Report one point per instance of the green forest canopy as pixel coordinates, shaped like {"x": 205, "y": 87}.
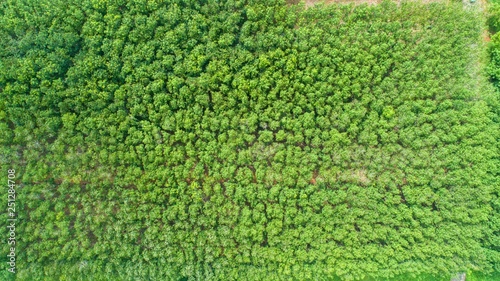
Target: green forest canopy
{"x": 247, "y": 140}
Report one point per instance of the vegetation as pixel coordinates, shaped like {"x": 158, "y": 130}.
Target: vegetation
{"x": 247, "y": 140}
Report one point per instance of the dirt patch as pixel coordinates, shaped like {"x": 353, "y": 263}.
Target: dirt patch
{"x": 486, "y": 36}
{"x": 310, "y": 3}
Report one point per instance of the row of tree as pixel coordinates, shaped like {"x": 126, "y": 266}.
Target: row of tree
{"x": 247, "y": 140}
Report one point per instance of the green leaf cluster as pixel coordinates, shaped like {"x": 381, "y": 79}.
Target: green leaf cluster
{"x": 247, "y": 140}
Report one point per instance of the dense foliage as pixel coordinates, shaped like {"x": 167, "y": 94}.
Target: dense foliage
{"x": 247, "y": 140}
